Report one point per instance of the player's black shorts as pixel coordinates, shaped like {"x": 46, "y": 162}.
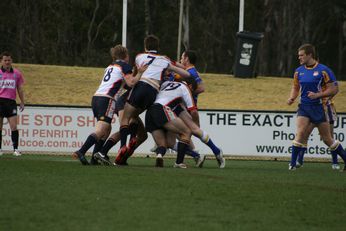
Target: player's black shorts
{"x": 8, "y": 108}
{"x": 142, "y": 95}
{"x": 120, "y": 102}
{"x": 103, "y": 108}
{"x": 157, "y": 116}
{"x": 178, "y": 109}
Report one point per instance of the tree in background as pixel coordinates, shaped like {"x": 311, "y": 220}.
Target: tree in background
{"x": 80, "y": 32}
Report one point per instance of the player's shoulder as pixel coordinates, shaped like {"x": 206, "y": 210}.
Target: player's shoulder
{"x": 323, "y": 67}
{"x": 16, "y": 70}
{"x": 301, "y": 68}
{"x": 141, "y": 54}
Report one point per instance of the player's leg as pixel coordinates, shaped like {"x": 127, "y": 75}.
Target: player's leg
{"x": 14, "y": 134}
{"x": 302, "y": 124}
{"x": 331, "y": 114}
{"x": 335, "y": 162}
{"x": 204, "y": 137}
{"x": 198, "y": 132}
{"x": 129, "y": 112}
{"x": 159, "y": 137}
{"x": 171, "y": 143}
{"x": 103, "y": 110}
{"x": 136, "y": 139}
{"x": 303, "y": 150}
{"x": 102, "y": 131}
{"x": 1, "y": 125}
{"x": 334, "y": 145}
{"x": 179, "y": 127}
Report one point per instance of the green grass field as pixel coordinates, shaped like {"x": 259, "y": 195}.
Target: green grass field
{"x": 48, "y": 192}
{"x": 57, "y": 193}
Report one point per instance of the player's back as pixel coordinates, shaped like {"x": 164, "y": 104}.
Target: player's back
{"x": 113, "y": 78}
{"x": 157, "y": 65}
{"x": 173, "y": 93}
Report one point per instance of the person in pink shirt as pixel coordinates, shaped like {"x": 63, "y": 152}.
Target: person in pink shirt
{"x": 11, "y": 82}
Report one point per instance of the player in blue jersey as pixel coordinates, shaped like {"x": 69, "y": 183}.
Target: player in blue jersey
{"x": 188, "y": 60}
{"x": 309, "y": 80}
{"x": 331, "y": 116}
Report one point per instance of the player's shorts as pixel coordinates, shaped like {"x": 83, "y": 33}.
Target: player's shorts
{"x": 331, "y": 113}
{"x": 178, "y": 109}
{"x": 316, "y": 113}
{"x": 142, "y": 95}
{"x": 8, "y": 108}
{"x": 120, "y": 102}
{"x": 103, "y": 108}
{"x": 157, "y": 116}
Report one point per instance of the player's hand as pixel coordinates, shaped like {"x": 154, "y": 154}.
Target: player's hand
{"x": 290, "y": 101}
{"x": 314, "y": 95}
{"x": 21, "y": 107}
{"x": 141, "y": 69}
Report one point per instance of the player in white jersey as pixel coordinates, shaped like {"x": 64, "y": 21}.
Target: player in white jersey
{"x": 161, "y": 118}
{"x": 172, "y": 95}
{"x": 144, "y": 92}
{"x": 103, "y": 101}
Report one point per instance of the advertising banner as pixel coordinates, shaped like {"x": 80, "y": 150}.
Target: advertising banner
{"x": 244, "y": 133}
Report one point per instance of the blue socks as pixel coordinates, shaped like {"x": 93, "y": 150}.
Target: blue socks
{"x": 213, "y": 147}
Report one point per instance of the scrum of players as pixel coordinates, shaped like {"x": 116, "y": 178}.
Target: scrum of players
{"x": 166, "y": 90}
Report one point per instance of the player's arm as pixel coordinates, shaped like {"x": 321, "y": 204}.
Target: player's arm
{"x": 20, "y": 91}
{"x": 178, "y": 70}
{"x": 331, "y": 90}
{"x": 132, "y": 78}
{"x": 294, "y": 90}
{"x": 200, "y": 88}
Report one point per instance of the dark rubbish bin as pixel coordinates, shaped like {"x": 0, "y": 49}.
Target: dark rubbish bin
{"x": 247, "y": 46}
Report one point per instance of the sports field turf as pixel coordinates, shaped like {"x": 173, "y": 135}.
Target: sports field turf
{"x": 41, "y": 192}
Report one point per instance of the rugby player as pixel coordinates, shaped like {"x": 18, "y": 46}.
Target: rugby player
{"x": 161, "y": 118}
{"x": 331, "y": 116}
{"x": 103, "y": 101}
{"x": 143, "y": 94}
{"x": 309, "y": 79}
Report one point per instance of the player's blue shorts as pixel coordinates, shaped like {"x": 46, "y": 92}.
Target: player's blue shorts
{"x": 315, "y": 113}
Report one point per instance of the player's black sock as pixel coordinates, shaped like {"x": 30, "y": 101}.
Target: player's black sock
{"x": 107, "y": 146}
{"x": 182, "y": 146}
{"x": 124, "y": 131}
{"x": 15, "y": 138}
{"x": 161, "y": 150}
{"x": 90, "y": 141}
{"x": 0, "y": 138}
{"x": 98, "y": 146}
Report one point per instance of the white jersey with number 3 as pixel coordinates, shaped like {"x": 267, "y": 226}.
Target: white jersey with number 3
{"x": 173, "y": 93}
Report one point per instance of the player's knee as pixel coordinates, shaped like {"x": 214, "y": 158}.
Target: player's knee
{"x": 297, "y": 144}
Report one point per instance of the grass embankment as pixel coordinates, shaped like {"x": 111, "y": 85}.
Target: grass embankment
{"x": 61, "y": 85}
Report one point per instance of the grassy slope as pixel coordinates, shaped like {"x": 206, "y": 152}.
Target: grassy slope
{"x": 75, "y": 85}
{"x": 54, "y": 193}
